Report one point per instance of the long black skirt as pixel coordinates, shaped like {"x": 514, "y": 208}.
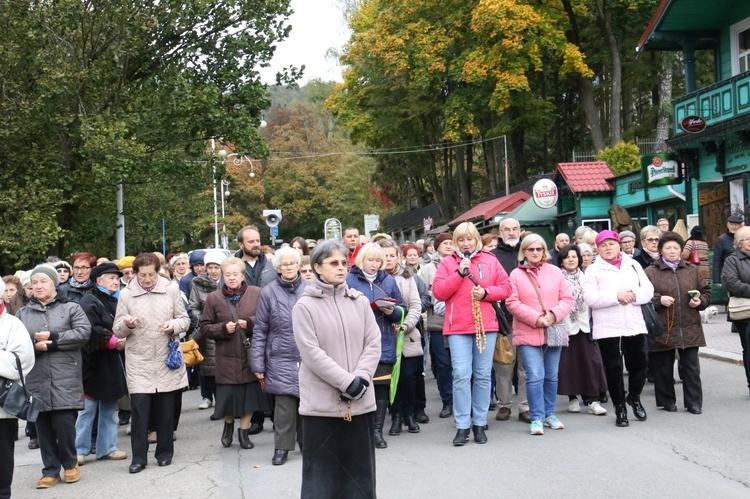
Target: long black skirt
{"x": 238, "y": 400}
{"x": 581, "y": 370}
{"x": 338, "y": 458}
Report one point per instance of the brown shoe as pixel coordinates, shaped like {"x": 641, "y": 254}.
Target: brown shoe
{"x": 525, "y": 416}
{"x": 47, "y": 481}
{"x": 503, "y": 414}
{"x": 72, "y": 475}
{"x": 116, "y": 455}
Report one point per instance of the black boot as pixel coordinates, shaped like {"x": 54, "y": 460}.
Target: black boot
{"x": 382, "y": 407}
{"x": 447, "y": 410}
{"x": 226, "y": 435}
{"x": 621, "y": 413}
{"x": 411, "y": 424}
{"x": 244, "y": 439}
{"x": 462, "y": 436}
{"x": 396, "y": 424}
{"x": 638, "y": 410}
{"x": 479, "y": 436}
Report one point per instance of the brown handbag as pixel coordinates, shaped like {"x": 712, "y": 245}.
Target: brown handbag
{"x": 503, "y": 351}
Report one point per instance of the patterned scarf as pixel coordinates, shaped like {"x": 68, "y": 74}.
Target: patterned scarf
{"x": 574, "y": 279}
{"x": 75, "y": 284}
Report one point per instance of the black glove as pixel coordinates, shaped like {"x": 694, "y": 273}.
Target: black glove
{"x": 356, "y": 389}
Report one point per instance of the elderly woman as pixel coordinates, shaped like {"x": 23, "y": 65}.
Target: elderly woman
{"x": 467, "y": 281}
{"x": 615, "y": 287}
{"x": 541, "y": 298}
{"x": 339, "y": 342}
{"x": 627, "y": 243}
{"x": 180, "y": 265}
{"x": 736, "y": 277}
{"x": 103, "y": 375}
{"x": 150, "y": 315}
{"x": 587, "y": 255}
{"x": 581, "y": 370}
{"x": 59, "y": 329}
{"x": 305, "y": 269}
{"x": 674, "y": 279}
{"x": 64, "y": 270}
{"x": 370, "y": 278}
{"x": 81, "y": 283}
{"x": 412, "y": 356}
{"x": 650, "y": 235}
{"x": 411, "y": 257}
{"x": 16, "y": 345}
{"x": 275, "y": 358}
{"x": 228, "y": 319}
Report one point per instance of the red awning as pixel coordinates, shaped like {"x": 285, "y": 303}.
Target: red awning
{"x": 488, "y": 209}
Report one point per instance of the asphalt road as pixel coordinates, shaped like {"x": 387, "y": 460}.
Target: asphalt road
{"x": 669, "y": 455}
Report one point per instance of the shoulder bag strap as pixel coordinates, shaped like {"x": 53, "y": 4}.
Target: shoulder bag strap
{"x": 538, "y": 295}
{"x": 236, "y": 317}
{"x": 20, "y": 371}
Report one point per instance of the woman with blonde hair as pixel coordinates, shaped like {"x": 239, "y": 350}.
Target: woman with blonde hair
{"x": 467, "y": 281}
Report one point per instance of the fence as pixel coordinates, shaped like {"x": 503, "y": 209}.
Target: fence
{"x": 646, "y": 146}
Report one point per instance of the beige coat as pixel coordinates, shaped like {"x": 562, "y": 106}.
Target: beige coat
{"x": 410, "y": 294}
{"x": 146, "y": 346}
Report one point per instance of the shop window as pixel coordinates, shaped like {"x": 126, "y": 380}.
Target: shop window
{"x": 598, "y": 224}
{"x": 740, "y": 45}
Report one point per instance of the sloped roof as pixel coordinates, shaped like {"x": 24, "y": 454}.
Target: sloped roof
{"x": 679, "y": 22}
{"x": 587, "y": 176}
{"x": 488, "y": 209}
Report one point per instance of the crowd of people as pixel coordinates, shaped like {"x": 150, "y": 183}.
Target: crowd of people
{"x": 329, "y": 338}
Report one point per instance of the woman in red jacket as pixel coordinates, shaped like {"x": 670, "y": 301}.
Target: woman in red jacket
{"x": 467, "y": 281}
{"x": 541, "y": 297}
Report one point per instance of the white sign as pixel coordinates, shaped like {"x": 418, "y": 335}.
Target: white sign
{"x": 372, "y": 224}
{"x": 427, "y": 223}
{"x": 660, "y": 169}
{"x": 544, "y": 193}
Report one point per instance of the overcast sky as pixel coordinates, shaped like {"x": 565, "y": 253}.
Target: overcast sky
{"x": 317, "y": 25}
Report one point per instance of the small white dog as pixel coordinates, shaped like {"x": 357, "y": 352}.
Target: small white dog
{"x": 706, "y": 314}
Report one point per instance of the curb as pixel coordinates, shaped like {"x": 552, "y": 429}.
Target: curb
{"x": 712, "y": 353}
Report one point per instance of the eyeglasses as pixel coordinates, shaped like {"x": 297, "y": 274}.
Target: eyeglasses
{"x": 745, "y": 240}
{"x": 288, "y": 265}
{"x": 534, "y": 250}
{"x": 652, "y": 240}
{"x": 336, "y": 263}
{"x": 81, "y": 269}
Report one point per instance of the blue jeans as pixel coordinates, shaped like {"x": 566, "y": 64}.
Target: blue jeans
{"x": 471, "y": 401}
{"x": 541, "y": 379}
{"x": 442, "y": 359}
{"x": 106, "y": 438}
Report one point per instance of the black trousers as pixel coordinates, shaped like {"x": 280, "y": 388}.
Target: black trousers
{"x": 56, "y": 431}
{"x": 8, "y": 434}
{"x": 160, "y": 407}
{"x": 635, "y": 351}
{"x": 743, "y": 331}
{"x": 662, "y": 369}
{"x": 405, "y": 400}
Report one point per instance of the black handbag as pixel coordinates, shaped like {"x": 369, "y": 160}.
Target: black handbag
{"x": 502, "y": 321}
{"x": 16, "y": 400}
{"x": 654, "y": 324}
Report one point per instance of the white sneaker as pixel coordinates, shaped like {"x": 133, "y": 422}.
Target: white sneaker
{"x": 596, "y": 408}
{"x": 553, "y": 423}
{"x": 205, "y": 404}
{"x": 574, "y": 405}
{"x": 127, "y": 431}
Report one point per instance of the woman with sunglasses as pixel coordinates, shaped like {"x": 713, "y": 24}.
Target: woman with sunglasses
{"x": 339, "y": 341}
{"x": 650, "y": 235}
{"x": 369, "y": 277}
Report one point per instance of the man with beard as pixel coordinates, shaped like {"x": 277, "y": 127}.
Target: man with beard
{"x": 507, "y": 253}
{"x": 259, "y": 271}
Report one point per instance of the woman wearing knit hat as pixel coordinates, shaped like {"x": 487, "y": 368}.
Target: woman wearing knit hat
{"x": 64, "y": 270}
{"x": 59, "y": 329}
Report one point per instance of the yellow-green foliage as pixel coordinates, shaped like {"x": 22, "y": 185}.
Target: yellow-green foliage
{"x": 623, "y": 158}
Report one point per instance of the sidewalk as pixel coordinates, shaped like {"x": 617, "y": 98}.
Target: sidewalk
{"x": 721, "y": 342}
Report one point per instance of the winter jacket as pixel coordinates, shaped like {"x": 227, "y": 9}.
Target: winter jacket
{"x": 687, "y": 329}
{"x": 202, "y": 286}
{"x": 147, "y": 347}
{"x": 338, "y": 339}
{"x": 455, "y": 290}
{"x": 601, "y": 282}
{"x": 524, "y": 304}
{"x": 232, "y": 356}
{"x": 383, "y": 286}
{"x": 260, "y": 274}
{"x": 506, "y": 255}
{"x": 14, "y": 338}
{"x": 722, "y": 250}
{"x": 56, "y": 379}
{"x": 582, "y": 322}
{"x": 736, "y": 274}
{"x": 103, "y": 368}
{"x": 408, "y": 288}
{"x": 435, "y": 320}
{"x": 67, "y": 292}
{"x": 274, "y": 352}
{"x": 644, "y": 259}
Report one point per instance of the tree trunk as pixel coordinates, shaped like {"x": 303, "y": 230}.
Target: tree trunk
{"x": 469, "y": 168}
{"x": 489, "y": 159}
{"x": 664, "y": 116}
{"x": 463, "y": 190}
{"x": 605, "y": 16}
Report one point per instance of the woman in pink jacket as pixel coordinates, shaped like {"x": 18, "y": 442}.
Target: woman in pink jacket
{"x": 467, "y": 281}
{"x": 541, "y": 297}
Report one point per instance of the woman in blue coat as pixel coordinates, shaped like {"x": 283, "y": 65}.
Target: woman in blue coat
{"x": 369, "y": 277}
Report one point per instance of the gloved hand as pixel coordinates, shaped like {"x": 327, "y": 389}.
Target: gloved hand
{"x": 356, "y": 389}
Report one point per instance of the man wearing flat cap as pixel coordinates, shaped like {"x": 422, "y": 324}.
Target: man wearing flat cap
{"x": 725, "y": 245}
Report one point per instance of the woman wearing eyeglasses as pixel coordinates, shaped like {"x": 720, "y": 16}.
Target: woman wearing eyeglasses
{"x": 274, "y": 357}
{"x": 650, "y": 235}
{"x": 736, "y": 277}
{"x": 305, "y": 269}
{"x": 339, "y": 341}
{"x": 80, "y": 284}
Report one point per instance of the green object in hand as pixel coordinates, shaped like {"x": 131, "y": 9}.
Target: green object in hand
{"x": 694, "y": 294}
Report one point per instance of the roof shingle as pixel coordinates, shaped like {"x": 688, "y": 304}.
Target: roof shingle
{"x": 589, "y": 176}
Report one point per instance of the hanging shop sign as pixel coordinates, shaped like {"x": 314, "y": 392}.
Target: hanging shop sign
{"x": 693, "y": 124}
{"x": 545, "y": 193}
{"x": 661, "y": 169}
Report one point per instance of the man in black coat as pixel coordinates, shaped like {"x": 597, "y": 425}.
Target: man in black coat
{"x": 725, "y": 246}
